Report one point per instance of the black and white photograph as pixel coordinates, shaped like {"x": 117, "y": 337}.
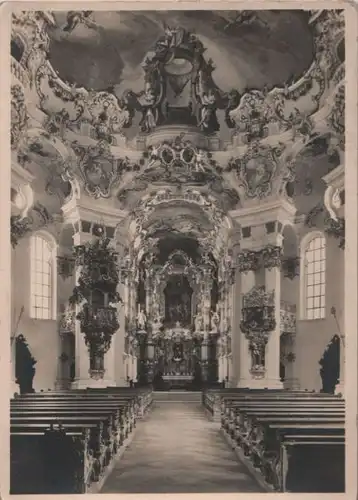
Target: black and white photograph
{"x": 178, "y": 242}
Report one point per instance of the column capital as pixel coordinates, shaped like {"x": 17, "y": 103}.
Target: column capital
{"x": 272, "y": 256}
{"x": 248, "y": 260}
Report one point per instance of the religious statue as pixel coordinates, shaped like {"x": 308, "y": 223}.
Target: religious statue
{"x": 24, "y": 365}
{"x": 207, "y": 120}
{"x": 215, "y": 320}
{"x": 149, "y": 118}
{"x": 198, "y": 322}
{"x": 200, "y": 161}
{"x": 173, "y": 38}
{"x": 141, "y": 319}
{"x": 102, "y": 127}
{"x": 157, "y": 324}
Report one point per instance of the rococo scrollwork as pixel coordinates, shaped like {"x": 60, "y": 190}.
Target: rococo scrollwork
{"x": 248, "y": 260}
{"x": 256, "y": 169}
{"x": 258, "y": 320}
{"x": 272, "y": 256}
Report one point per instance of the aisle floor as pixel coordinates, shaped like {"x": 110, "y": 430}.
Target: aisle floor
{"x": 177, "y": 449}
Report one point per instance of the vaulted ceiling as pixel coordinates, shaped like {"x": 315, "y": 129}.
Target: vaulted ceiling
{"x": 252, "y": 49}
{"x": 284, "y": 70}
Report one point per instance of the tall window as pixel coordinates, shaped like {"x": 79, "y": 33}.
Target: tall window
{"x": 314, "y": 279}
{"x": 42, "y": 277}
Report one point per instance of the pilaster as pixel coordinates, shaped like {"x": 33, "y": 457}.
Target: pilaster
{"x": 273, "y": 285}
{"x": 80, "y": 212}
{"x": 245, "y": 378}
{"x": 259, "y": 263}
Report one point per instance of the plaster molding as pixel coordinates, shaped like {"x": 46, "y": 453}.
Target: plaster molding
{"x": 335, "y": 178}
{"x": 84, "y": 209}
{"x": 279, "y": 210}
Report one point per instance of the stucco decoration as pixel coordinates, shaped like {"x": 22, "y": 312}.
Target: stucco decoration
{"x": 256, "y": 169}
{"x": 19, "y": 116}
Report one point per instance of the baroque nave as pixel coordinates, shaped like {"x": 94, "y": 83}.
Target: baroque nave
{"x": 177, "y": 252}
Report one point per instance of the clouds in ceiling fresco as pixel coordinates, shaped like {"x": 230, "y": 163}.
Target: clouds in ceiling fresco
{"x": 266, "y": 49}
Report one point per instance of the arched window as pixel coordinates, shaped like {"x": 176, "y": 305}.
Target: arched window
{"x": 313, "y": 277}
{"x": 43, "y": 277}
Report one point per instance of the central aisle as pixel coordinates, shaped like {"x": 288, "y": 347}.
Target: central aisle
{"x": 176, "y": 449}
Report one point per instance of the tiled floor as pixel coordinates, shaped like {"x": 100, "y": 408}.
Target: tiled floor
{"x": 178, "y": 450}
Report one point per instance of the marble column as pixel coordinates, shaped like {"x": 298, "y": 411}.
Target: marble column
{"x": 245, "y": 379}
{"x": 119, "y": 367}
{"x": 230, "y": 315}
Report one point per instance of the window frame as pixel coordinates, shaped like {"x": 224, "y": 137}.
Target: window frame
{"x": 52, "y": 245}
{"x": 304, "y": 248}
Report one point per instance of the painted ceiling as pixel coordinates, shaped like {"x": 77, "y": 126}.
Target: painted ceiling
{"x": 252, "y": 49}
{"x": 274, "y": 140}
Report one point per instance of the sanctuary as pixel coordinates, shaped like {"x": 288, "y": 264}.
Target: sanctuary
{"x": 177, "y": 220}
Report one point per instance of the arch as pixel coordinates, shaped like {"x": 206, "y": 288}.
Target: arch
{"x": 43, "y": 276}
{"x": 313, "y": 276}
{"x": 150, "y": 203}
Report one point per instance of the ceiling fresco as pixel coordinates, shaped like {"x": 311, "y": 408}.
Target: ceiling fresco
{"x": 218, "y": 110}
{"x": 250, "y": 49}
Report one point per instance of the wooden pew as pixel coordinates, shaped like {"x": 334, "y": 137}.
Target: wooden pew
{"x": 213, "y": 401}
{"x": 87, "y": 428}
{"x": 277, "y": 433}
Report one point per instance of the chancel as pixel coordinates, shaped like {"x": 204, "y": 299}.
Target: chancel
{"x": 177, "y": 231}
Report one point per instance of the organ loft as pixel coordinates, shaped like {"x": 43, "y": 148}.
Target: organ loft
{"x": 180, "y": 229}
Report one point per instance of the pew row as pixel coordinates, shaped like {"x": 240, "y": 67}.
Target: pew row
{"x": 291, "y": 441}
{"x": 67, "y": 442}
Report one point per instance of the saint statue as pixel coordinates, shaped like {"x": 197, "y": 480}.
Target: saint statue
{"x": 215, "y": 320}
{"x": 198, "y": 322}
{"x": 149, "y": 118}
{"x": 141, "y": 319}
{"x": 157, "y": 324}
{"x": 208, "y": 121}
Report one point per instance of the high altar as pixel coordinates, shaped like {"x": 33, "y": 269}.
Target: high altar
{"x": 179, "y": 331}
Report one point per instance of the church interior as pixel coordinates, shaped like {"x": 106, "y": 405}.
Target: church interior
{"x": 178, "y": 236}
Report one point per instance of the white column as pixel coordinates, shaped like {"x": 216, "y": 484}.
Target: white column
{"x": 119, "y": 342}
{"x": 272, "y": 357}
{"x": 14, "y": 387}
{"x": 245, "y": 380}
{"x": 342, "y": 368}
{"x": 82, "y": 378}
